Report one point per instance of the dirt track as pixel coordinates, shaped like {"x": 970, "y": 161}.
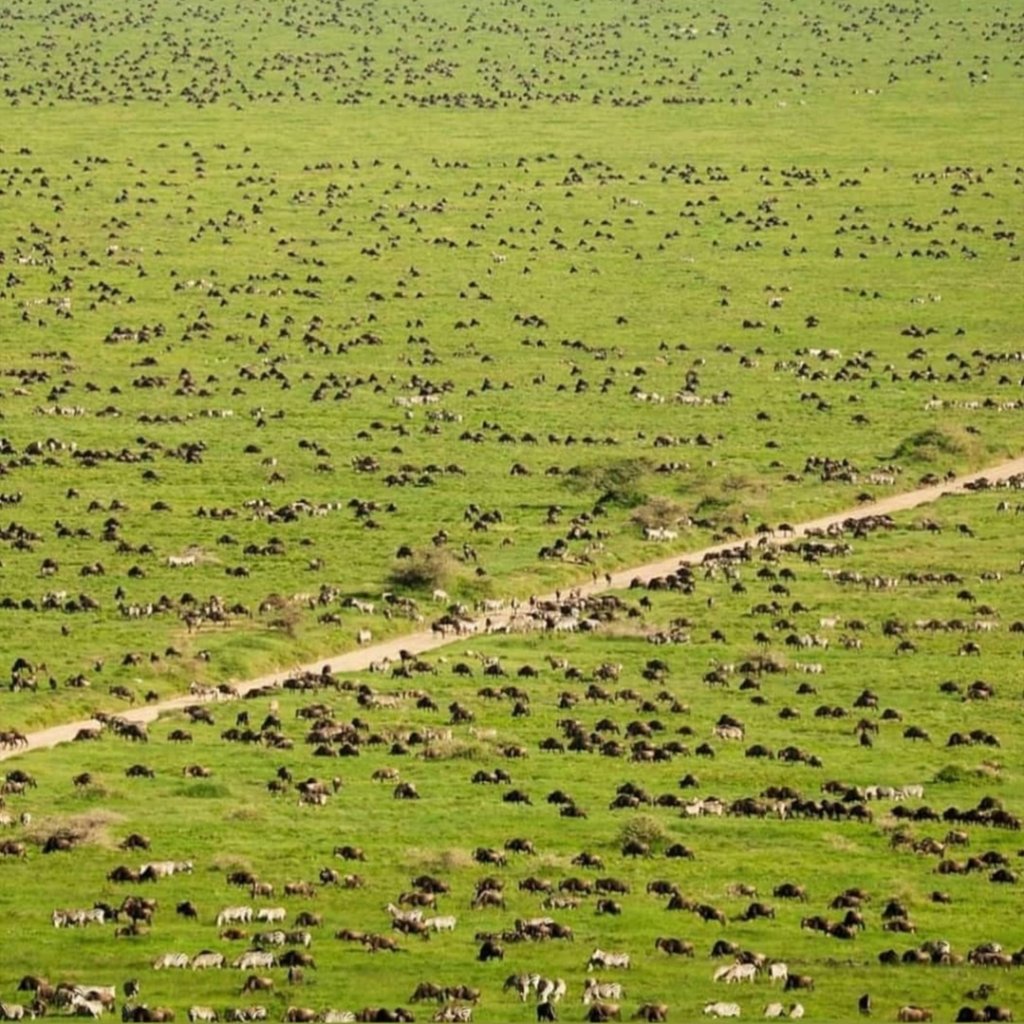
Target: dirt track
{"x": 425, "y": 640}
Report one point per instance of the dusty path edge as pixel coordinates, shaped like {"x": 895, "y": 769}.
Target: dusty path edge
{"x": 425, "y": 640}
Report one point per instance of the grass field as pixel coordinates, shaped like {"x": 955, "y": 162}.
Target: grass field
{"x": 235, "y": 255}
{"x": 229, "y": 821}
{"x": 311, "y": 302}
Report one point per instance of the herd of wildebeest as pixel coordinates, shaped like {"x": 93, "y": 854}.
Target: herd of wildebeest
{"x": 359, "y": 328}
{"x": 108, "y": 461}
{"x": 278, "y": 936}
{"x": 499, "y": 56}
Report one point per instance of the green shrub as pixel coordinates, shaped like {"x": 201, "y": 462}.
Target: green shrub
{"x": 642, "y": 828}
{"x": 620, "y": 483}
{"x": 427, "y": 569}
{"x": 951, "y": 774}
{"x": 658, "y": 512}
{"x": 928, "y": 445}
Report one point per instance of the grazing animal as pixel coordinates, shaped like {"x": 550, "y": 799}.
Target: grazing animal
{"x": 600, "y": 991}
{"x": 171, "y": 960}
{"x": 490, "y": 950}
{"x": 721, "y": 1009}
{"x": 674, "y": 947}
{"x": 234, "y": 915}
{"x": 445, "y": 923}
{"x": 454, "y": 1013}
{"x": 741, "y": 972}
{"x": 913, "y": 1014}
{"x": 601, "y": 958}
{"x": 257, "y": 983}
{"x": 795, "y": 981}
{"x": 652, "y": 1012}
{"x": 598, "y": 1013}
{"x": 254, "y": 959}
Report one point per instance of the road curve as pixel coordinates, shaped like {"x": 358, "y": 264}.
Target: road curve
{"x": 425, "y": 640}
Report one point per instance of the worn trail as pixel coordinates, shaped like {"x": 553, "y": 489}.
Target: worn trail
{"x": 425, "y": 640}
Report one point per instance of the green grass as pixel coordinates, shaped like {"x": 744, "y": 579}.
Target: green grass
{"x": 269, "y": 235}
{"x": 301, "y": 215}
{"x": 229, "y": 821}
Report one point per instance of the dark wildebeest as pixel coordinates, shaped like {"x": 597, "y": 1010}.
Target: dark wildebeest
{"x": 490, "y": 950}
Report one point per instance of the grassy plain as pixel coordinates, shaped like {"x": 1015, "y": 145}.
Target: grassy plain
{"x": 299, "y": 219}
{"x": 230, "y": 821}
{"x": 241, "y": 244}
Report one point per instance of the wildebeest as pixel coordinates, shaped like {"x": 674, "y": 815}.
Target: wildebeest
{"x": 998, "y": 1013}
{"x": 257, "y": 983}
{"x": 490, "y": 950}
{"x": 913, "y": 1013}
{"x": 651, "y": 1012}
{"x": 488, "y": 898}
{"x": 427, "y": 990}
{"x": 380, "y": 943}
{"x": 348, "y": 852}
{"x": 790, "y": 891}
{"x": 674, "y": 947}
{"x": 795, "y": 981}
{"x": 143, "y": 1014}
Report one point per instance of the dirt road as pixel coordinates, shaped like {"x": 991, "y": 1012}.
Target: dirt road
{"x": 425, "y": 640}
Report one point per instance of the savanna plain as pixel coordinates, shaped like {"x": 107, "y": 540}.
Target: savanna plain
{"x": 325, "y": 323}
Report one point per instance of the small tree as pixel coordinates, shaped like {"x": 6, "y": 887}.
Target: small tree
{"x": 658, "y": 512}
{"x": 426, "y": 569}
{"x": 618, "y": 483}
{"x": 642, "y": 828}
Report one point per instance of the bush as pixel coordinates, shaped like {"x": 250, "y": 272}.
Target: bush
{"x": 928, "y": 445}
{"x": 287, "y": 620}
{"x": 425, "y": 569}
{"x": 620, "y": 483}
{"x": 643, "y": 829}
{"x": 658, "y": 512}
